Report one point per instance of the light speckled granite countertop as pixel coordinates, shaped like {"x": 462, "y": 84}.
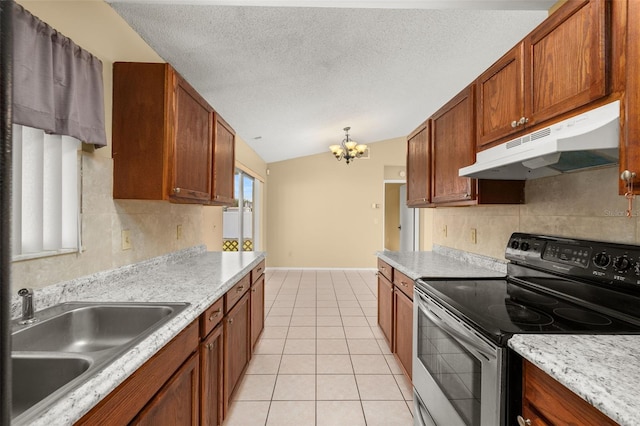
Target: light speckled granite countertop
{"x": 603, "y": 370}
{"x": 444, "y": 262}
{"x": 193, "y": 275}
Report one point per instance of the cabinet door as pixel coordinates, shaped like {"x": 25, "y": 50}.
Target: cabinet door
{"x": 224, "y": 145}
{"x": 555, "y": 403}
{"x": 257, "y": 310}
{"x": 500, "y": 97}
{"x": 453, "y": 138}
{"x": 630, "y": 152}
{"x": 385, "y": 308}
{"x": 236, "y": 346}
{"x": 566, "y": 60}
{"x": 191, "y": 160}
{"x": 211, "y": 371}
{"x": 177, "y": 402}
{"x": 403, "y": 330}
{"x": 419, "y": 167}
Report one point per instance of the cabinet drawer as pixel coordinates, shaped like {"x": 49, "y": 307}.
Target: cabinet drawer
{"x": 257, "y": 271}
{"x": 404, "y": 283}
{"x": 211, "y": 317}
{"x": 236, "y": 292}
{"x": 385, "y": 269}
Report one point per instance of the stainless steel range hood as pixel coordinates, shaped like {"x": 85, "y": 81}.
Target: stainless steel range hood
{"x": 585, "y": 141}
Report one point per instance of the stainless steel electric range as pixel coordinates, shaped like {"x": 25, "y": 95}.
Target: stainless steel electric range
{"x": 463, "y": 372}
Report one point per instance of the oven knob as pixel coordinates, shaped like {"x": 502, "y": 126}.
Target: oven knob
{"x": 524, "y": 246}
{"x": 515, "y": 244}
{"x": 621, "y": 263}
{"x": 601, "y": 259}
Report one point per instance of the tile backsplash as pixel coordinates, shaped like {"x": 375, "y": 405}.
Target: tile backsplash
{"x": 580, "y": 205}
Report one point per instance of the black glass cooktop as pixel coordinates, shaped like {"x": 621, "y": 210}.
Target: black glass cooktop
{"x": 500, "y": 308}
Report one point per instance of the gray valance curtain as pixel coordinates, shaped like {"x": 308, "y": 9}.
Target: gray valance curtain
{"x": 57, "y": 85}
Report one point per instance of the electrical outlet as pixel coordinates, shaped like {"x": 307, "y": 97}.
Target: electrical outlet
{"x": 444, "y": 231}
{"x": 126, "y": 240}
{"x": 474, "y": 236}
{"x": 179, "y": 232}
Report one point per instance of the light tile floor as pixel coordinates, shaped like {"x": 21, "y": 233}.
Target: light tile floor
{"x": 321, "y": 360}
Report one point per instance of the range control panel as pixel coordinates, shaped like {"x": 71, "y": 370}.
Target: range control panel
{"x": 607, "y": 263}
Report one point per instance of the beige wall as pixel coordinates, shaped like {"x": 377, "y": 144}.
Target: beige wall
{"x": 581, "y": 205}
{"x": 95, "y": 26}
{"x": 319, "y": 210}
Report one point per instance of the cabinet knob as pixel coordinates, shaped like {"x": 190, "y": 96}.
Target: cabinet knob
{"x": 253, "y": 290}
{"x": 523, "y": 120}
{"x": 214, "y": 314}
{"x": 523, "y": 422}
{"x": 514, "y": 124}
{"x": 210, "y": 346}
{"x": 176, "y": 190}
{"x": 230, "y": 320}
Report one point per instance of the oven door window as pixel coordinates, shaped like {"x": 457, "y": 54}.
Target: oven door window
{"x": 457, "y": 372}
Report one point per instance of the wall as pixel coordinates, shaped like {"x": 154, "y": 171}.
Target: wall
{"x": 581, "y": 205}
{"x": 320, "y": 210}
{"x": 96, "y": 27}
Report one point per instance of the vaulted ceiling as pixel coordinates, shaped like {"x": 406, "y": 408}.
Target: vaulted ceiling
{"x": 290, "y": 75}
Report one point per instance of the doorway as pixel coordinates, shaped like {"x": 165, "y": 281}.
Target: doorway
{"x": 401, "y": 223}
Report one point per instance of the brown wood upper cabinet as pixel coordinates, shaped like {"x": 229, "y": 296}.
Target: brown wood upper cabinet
{"x": 453, "y": 139}
{"x": 560, "y": 66}
{"x": 419, "y": 167}
{"x": 630, "y": 152}
{"x": 442, "y": 145}
{"x": 165, "y": 139}
{"x": 224, "y": 143}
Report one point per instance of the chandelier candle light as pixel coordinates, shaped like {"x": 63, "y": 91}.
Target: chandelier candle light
{"x": 348, "y": 149}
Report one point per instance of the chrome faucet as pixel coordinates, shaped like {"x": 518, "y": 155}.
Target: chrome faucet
{"x": 28, "y": 316}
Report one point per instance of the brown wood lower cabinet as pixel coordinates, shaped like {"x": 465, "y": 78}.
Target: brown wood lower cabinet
{"x": 191, "y": 380}
{"x": 385, "y": 308}
{"x": 403, "y": 330}
{"x": 211, "y": 375}
{"x": 237, "y": 346}
{"x": 132, "y": 396}
{"x": 547, "y": 402}
{"x": 178, "y": 400}
{"x": 257, "y": 310}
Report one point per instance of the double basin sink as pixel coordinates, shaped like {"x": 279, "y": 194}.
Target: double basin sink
{"x": 70, "y": 343}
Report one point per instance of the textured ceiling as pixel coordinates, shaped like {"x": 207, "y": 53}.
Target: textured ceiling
{"x": 288, "y": 79}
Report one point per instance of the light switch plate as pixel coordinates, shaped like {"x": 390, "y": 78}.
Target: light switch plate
{"x": 126, "y": 240}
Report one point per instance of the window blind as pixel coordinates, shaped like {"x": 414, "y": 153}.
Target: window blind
{"x": 46, "y": 188}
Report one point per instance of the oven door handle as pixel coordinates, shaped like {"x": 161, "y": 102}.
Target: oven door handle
{"x": 457, "y": 334}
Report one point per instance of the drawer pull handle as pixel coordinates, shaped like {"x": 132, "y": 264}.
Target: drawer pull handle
{"x": 403, "y": 283}
{"x": 523, "y": 422}
{"x": 214, "y": 314}
{"x": 239, "y": 289}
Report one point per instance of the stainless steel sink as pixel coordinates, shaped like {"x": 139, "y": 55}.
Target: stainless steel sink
{"x": 70, "y": 343}
{"x": 89, "y": 328}
{"x": 35, "y": 378}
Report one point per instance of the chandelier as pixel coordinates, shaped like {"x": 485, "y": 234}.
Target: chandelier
{"x": 348, "y": 149}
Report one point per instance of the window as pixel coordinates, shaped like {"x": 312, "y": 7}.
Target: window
{"x": 46, "y": 194}
{"x": 239, "y": 230}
